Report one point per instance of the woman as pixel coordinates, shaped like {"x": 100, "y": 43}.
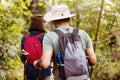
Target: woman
{"x": 36, "y": 27}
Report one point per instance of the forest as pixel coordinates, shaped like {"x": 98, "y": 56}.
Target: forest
{"x": 99, "y": 18}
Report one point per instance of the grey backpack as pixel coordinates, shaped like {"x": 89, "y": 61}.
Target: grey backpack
{"x": 74, "y": 60}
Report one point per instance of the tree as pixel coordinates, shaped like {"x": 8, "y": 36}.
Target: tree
{"x": 12, "y": 19}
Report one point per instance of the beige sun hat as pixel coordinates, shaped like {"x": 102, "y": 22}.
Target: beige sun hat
{"x": 58, "y": 12}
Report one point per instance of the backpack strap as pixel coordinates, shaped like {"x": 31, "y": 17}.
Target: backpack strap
{"x": 75, "y": 31}
{"x": 38, "y": 35}
{"x": 60, "y": 68}
{"x": 58, "y": 32}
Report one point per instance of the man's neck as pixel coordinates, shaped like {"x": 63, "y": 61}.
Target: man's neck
{"x": 62, "y": 24}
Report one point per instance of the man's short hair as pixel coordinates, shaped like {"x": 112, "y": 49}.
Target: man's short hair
{"x": 62, "y": 20}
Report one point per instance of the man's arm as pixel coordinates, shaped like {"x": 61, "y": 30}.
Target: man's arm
{"x": 91, "y": 56}
{"x": 45, "y": 60}
{"x": 89, "y": 49}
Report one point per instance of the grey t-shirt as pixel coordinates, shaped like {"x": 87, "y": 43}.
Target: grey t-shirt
{"x": 50, "y": 42}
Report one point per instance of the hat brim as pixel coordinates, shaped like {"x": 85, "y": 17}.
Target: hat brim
{"x": 48, "y": 17}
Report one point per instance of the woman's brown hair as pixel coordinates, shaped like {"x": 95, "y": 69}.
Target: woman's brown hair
{"x": 37, "y": 23}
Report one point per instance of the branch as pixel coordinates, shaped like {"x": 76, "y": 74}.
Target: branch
{"x": 108, "y": 35}
{"x": 98, "y": 25}
{"x": 97, "y": 31}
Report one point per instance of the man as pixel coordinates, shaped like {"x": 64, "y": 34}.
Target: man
{"x": 60, "y": 18}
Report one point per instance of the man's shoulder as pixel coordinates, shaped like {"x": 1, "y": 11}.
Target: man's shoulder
{"x": 82, "y": 32}
{"x": 50, "y": 33}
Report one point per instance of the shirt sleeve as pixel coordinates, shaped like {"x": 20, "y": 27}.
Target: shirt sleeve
{"x": 47, "y": 42}
{"x": 86, "y": 40}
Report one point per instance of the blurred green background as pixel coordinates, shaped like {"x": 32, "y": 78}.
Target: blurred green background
{"x": 99, "y": 18}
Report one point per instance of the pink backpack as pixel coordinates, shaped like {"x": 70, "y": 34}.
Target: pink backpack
{"x": 33, "y": 47}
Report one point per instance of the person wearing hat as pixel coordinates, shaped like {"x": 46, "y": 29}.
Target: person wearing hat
{"x": 60, "y": 16}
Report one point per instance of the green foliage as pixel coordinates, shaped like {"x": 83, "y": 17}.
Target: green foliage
{"x": 107, "y": 67}
{"x": 13, "y": 15}
{"x": 42, "y": 7}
